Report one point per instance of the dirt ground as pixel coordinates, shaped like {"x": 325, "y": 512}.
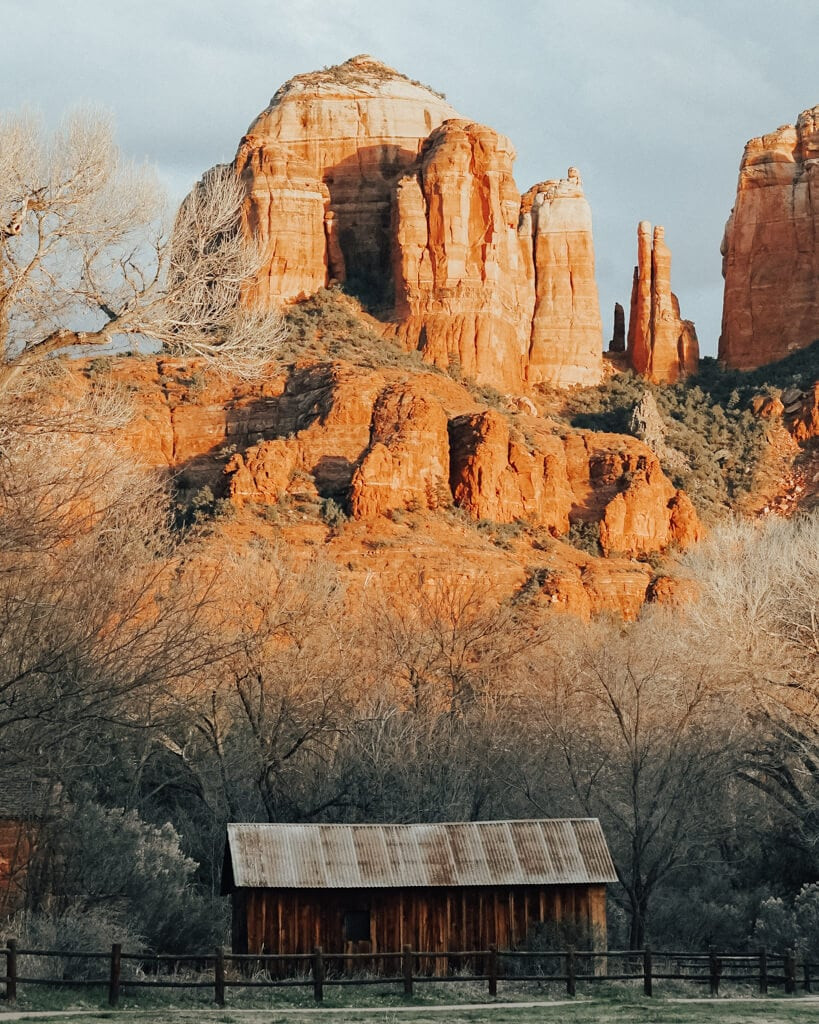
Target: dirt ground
{"x": 803, "y": 1010}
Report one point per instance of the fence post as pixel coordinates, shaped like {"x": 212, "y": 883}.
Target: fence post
{"x": 113, "y": 978}
{"x": 790, "y": 972}
{"x": 714, "y": 970}
{"x": 406, "y": 966}
{"x": 11, "y": 970}
{"x": 806, "y": 973}
{"x": 318, "y": 975}
{"x": 493, "y": 970}
{"x": 571, "y": 973}
{"x": 219, "y": 976}
{"x": 647, "y": 966}
{"x": 763, "y": 971}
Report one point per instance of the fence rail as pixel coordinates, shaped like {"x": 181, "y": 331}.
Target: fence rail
{"x": 490, "y": 966}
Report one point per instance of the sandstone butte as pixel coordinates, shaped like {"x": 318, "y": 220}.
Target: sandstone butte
{"x": 357, "y": 174}
{"x": 437, "y": 485}
{"x": 771, "y": 248}
{"x": 661, "y": 345}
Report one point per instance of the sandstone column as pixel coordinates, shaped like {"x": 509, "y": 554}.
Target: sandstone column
{"x": 618, "y": 336}
{"x": 661, "y": 345}
{"x": 567, "y": 329}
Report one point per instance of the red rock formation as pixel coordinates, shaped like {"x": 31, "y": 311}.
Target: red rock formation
{"x": 771, "y": 248}
{"x": 356, "y": 173}
{"x": 548, "y": 481}
{"x": 661, "y": 346}
{"x": 802, "y": 413}
{"x": 463, "y": 278}
{"x": 320, "y": 163}
{"x": 500, "y": 478}
{"x": 567, "y": 333}
{"x": 407, "y": 463}
{"x": 264, "y": 472}
{"x": 381, "y": 441}
{"x": 649, "y": 515}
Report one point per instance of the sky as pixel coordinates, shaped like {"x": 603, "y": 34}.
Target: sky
{"x": 653, "y": 101}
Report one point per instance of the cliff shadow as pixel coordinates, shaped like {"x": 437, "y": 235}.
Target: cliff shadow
{"x": 362, "y": 188}
{"x": 200, "y": 482}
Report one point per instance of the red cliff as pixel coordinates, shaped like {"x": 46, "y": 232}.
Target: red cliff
{"x": 463, "y": 277}
{"x": 771, "y": 248}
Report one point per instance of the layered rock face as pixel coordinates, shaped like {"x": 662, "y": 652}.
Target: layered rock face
{"x": 661, "y": 345}
{"x": 771, "y": 248}
{"x": 357, "y": 174}
{"x": 567, "y": 331}
{"x": 407, "y": 463}
{"x": 319, "y": 166}
{"x": 463, "y": 276}
{"x": 500, "y": 477}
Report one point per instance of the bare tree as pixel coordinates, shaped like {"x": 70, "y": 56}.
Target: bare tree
{"x": 88, "y": 254}
{"x": 758, "y": 615}
{"x": 625, "y": 725}
{"x": 263, "y": 735}
{"x": 448, "y": 643}
{"x": 100, "y": 617}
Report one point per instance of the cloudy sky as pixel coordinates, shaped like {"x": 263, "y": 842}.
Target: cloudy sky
{"x": 652, "y": 100}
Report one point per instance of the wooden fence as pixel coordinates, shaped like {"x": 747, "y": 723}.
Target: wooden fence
{"x": 409, "y": 968}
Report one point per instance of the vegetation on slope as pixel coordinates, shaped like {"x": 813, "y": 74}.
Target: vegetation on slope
{"x": 708, "y": 422}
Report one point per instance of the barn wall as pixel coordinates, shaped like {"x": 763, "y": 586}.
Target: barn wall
{"x": 15, "y": 852}
{"x": 295, "y": 921}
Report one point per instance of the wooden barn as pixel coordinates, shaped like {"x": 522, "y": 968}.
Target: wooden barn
{"x": 435, "y": 887}
{"x": 23, "y": 805}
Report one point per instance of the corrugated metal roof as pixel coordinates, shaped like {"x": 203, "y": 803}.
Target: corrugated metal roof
{"x": 559, "y": 851}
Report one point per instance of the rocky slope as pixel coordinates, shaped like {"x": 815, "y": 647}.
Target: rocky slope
{"x": 357, "y": 174}
{"x": 394, "y": 470}
{"x": 771, "y": 248}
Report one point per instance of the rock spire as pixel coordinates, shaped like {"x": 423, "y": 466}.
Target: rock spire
{"x": 661, "y": 345}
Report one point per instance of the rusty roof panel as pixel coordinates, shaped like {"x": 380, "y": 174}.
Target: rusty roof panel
{"x": 560, "y": 851}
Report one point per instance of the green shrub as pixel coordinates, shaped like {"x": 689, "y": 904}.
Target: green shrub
{"x": 328, "y": 326}
{"x": 708, "y": 423}
{"x": 332, "y": 513}
{"x": 585, "y": 537}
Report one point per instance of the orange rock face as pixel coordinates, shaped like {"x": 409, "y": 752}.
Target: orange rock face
{"x": 396, "y": 448}
{"x": 463, "y": 276}
{"x": 771, "y": 248}
{"x": 357, "y": 174}
{"x": 500, "y": 478}
{"x": 319, "y": 165}
{"x": 649, "y": 515}
{"x": 567, "y": 332}
{"x": 661, "y": 345}
{"x": 407, "y": 463}
{"x": 802, "y": 413}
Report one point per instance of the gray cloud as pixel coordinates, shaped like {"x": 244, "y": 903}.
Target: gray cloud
{"x": 653, "y": 100}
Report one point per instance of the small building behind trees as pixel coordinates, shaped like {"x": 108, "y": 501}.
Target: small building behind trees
{"x": 435, "y": 887}
{"x": 24, "y": 804}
